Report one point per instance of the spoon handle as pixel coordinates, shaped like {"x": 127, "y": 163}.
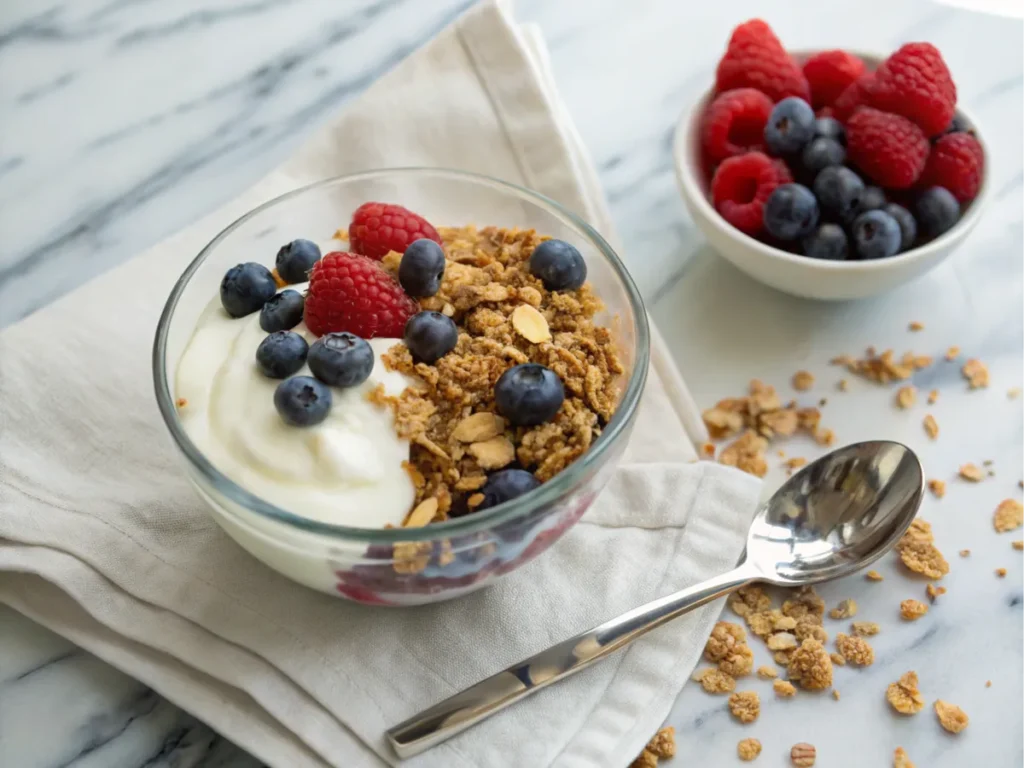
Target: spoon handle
{"x": 492, "y": 694}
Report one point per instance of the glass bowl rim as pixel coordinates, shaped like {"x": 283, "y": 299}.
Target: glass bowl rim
{"x": 519, "y": 507}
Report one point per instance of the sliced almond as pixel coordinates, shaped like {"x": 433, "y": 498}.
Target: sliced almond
{"x": 494, "y": 453}
{"x": 530, "y": 324}
{"x": 479, "y": 426}
{"x": 423, "y": 513}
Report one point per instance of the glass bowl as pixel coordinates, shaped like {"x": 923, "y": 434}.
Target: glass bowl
{"x": 403, "y": 566}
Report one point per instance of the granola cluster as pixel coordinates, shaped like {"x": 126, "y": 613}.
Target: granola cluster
{"x": 661, "y": 745}
{"x": 505, "y": 316}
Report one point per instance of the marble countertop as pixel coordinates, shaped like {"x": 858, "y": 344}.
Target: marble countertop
{"x": 124, "y": 120}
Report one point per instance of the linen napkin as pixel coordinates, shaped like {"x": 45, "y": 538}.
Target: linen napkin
{"x": 103, "y": 540}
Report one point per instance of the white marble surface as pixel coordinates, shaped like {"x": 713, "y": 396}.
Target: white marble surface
{"x": 126, "y": 119}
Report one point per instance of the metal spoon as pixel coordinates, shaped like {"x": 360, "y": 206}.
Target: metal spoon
{"x": 835, "y": 516}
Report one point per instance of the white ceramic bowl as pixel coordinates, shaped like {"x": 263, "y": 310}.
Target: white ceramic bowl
{"x": 792, "y": 273}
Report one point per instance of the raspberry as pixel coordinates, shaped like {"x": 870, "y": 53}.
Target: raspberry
{"x": 756, "y": 59}
{"x": 785, "y": 176}
{"x": 734, "y": 123}
{"x": 888, "y": 148}
{"x": 829, "y": 73}
{"x": 377, "y": 228}
{"x": 956, "y": 163}
{"x": 350, "y": 292}
{"x": 740, "y": 188}
{"x": 855, "y": 95}
{"x": 915, "y": 82}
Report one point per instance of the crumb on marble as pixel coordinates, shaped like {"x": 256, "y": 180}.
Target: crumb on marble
{"x": 976, "y": 373}
{"x": 931, "y": 426}
{"x": 937, "y": 487}
{"x": 951, "y": 717}
{"x": 1009, "y": 516}
{"x": 906, "y": 397}
{"x": 911, "y": 610}
{"x": 874, "y": 576}
{"x": 845, "y": 610}
{"x": 904, "y": 696}
{"x": 748, "y": 749}
{"x": 971, "y": 472}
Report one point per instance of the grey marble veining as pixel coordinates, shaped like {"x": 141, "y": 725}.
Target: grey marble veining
{"x": 123, "y": 120}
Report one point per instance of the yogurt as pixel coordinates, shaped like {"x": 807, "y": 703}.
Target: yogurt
{"x": 347, "y": 470}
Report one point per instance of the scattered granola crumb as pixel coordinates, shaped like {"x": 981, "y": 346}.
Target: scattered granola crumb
{"x": 857, "y": 650}
{"x": 795, "y": 463}
{"x": 916, "y": 326}
{"x": 422, "y": 514}
{"x": 937, "y": 487}
{"x": 865, "y": 628}
{"x": 803, "y": 380}
{"x": 1018, "y": 544}
{"x": 934, "y": 592}
{"x": 767, "y": 673}
{"x": 645, "y": 759}
{"x": 952, "y": 353}
{"x": 931, "y": 426}
{"x": 279, "y": 281}
{"x": 824, "y": 437}
{"x": 716, "y": 681}
{"x": 835, "y": 694}
{"x": 802, "y": 755}
{"x": 748, "y": 749}
{"x": 727, "y": 647}
{"x": 971, "y": 472}
{"x": 837, "y": 659}
{"x": 747, "y": 454}
{"x": 1013, "y": 393}
{"x": 845, "y": 610}
{"x": 181, "y": 402}
{"x": 662, "y": 744}
{"x": 340, "y": 234}
{"x": 965, "y": 553}
{"x": 933, "y": 397}
{"x": 874, "y": 576}
{"x": 842, "y": 385}
{"x": 708, "y": 450}
{"x": 906, "y": 396}
{"x": 987, "y": 463}
{"x": 1009, "y": 516}
{"x": 811, "y": 666}
{"x": 918, "y": 552}
{"x": 976, "y": 373}
{"x": 1001, "y": 572}
{"x": 745, "y": 706}
{"x": 784, "y": 689}
{"x": 900, "y": 759}
{"x": 911, "y": 610}
{"x": 951, "y": 717}
{"x": 904, "y": 695}
{"x": 988, "y": 683}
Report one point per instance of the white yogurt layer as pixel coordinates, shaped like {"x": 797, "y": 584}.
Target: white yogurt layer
{"x": 347, "y": 470}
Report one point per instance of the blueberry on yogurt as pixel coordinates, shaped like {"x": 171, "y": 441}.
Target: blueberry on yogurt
{"x": 281, "y": 354}
{"x": 302, "y": 401}
{"x": 296, "y": 259}
{"x": 341, "y": 359}
{"x": 246, "y": 288}
{"x": 283, "y": 312}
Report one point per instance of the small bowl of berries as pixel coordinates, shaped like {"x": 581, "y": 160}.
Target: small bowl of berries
{"x": 830, "y": 174}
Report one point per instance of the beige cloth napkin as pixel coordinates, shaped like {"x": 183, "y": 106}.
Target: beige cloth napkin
{"x": 104, "y": 541}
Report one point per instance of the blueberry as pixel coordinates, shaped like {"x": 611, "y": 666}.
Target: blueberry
{"x": 421, "y": 268}
{"x": 790, "y": 126}
{"x": 791, "y": 212}
{"x": 341, "y": 359}
{"x": 302, "y": 401}
{"x": 529, "y": 394}
{"x": 430, "y": 336}
{"x": 821, "y": 153}
{"x": 838, "y": 190}
{"x": 245, "y": 288}
{"x": 871, "y": 199}
{"x": 908, "y": 227}
{"x": 937, "y": 211}
{"x": 506, "y": 485}
{"x": 281, "y": 354}
{"x": 295, "y": 259}
{"x": 283, "y": 312}
{"x": 830, "y": 128}
{"x": 876, "y": 235}
{"x": 827, "y": 242}
{"x": 558, "y": 265}
{"x": 957, "y": 125}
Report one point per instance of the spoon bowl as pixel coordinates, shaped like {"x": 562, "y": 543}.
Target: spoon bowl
{"x": 836, "y": 515}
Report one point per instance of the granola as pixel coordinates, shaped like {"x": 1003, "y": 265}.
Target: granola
{"x": 885, "y": 367}
{"x": 911, "y": 610}
{"x": 855, "y": 649}
{"x": 803, "y": 380}
{"x": 715, "y": 681}
{"x": 900, "y": 759}
{"x": 748, "y": 749}
{"x": 971, "y": 472}
{"x": 874, "y": 576}
{"x": 784, "y": 689}
{"x": 904, "y": 696}
{"x": 937, "y": 487}
{"x": 745, "y": 706}
{"x": 1009, "y": 516}
{"x": 662, "y": 744}
{"x": 811, "y": 666}
{"x": 918, "y": 552}
{"x": 951, "y": 717}
{"x": 845, "y": 610}
{"x": 931, "y": 426}
{"x": 906, "y": 396}
{"x": 865, "y": 628}
{"x": 976, "y": 373}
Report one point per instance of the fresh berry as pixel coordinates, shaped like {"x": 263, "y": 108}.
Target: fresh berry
{"x": 421, "y": 268}
{"x": 937, "y": 211}
{"x": 857, "y": 94}
{"x": 820, "y": 153}
{"x": 876, "y": 235}
{"x": 430, "y": 336}
{"x": 830, "y": 128}
{"x": 829, "y": 73}
{"x": 734, "y": 123}
{"x": 791, "y": 212}
{"x": 281, "y": 354}
{"x": 558, "y": 265}
{"x": 742, "y": 185}
{"x": 302, "y": 401}
{"x": 283, "y": 312}
{"x": 782, "y": 170}
{"x": 790, "y": 126}
{"x": 827, "y": 242}
{"x": 838, "y": 190}
{"x": 246, "y": 288}
{"x": 377, "y": 228}
{"x": 295, "y": 259}
{"x": 506, "y": 485}
{"x": 755, "y": 58}
{"x": 888, "y": 148}
{"x": 871, "y": 199}
{"x": 825, "y": 112}
{"x": 529, "y": 394}
{"x": 914, "y": 82}
{"x": 908, "y": 227}
{"x": 341, "y": 359}
{"x": 349, "y": 292}
{"x": 957, "y": 163}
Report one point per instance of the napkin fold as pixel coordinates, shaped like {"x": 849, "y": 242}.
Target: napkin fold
{"x": 103, "y": 540}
